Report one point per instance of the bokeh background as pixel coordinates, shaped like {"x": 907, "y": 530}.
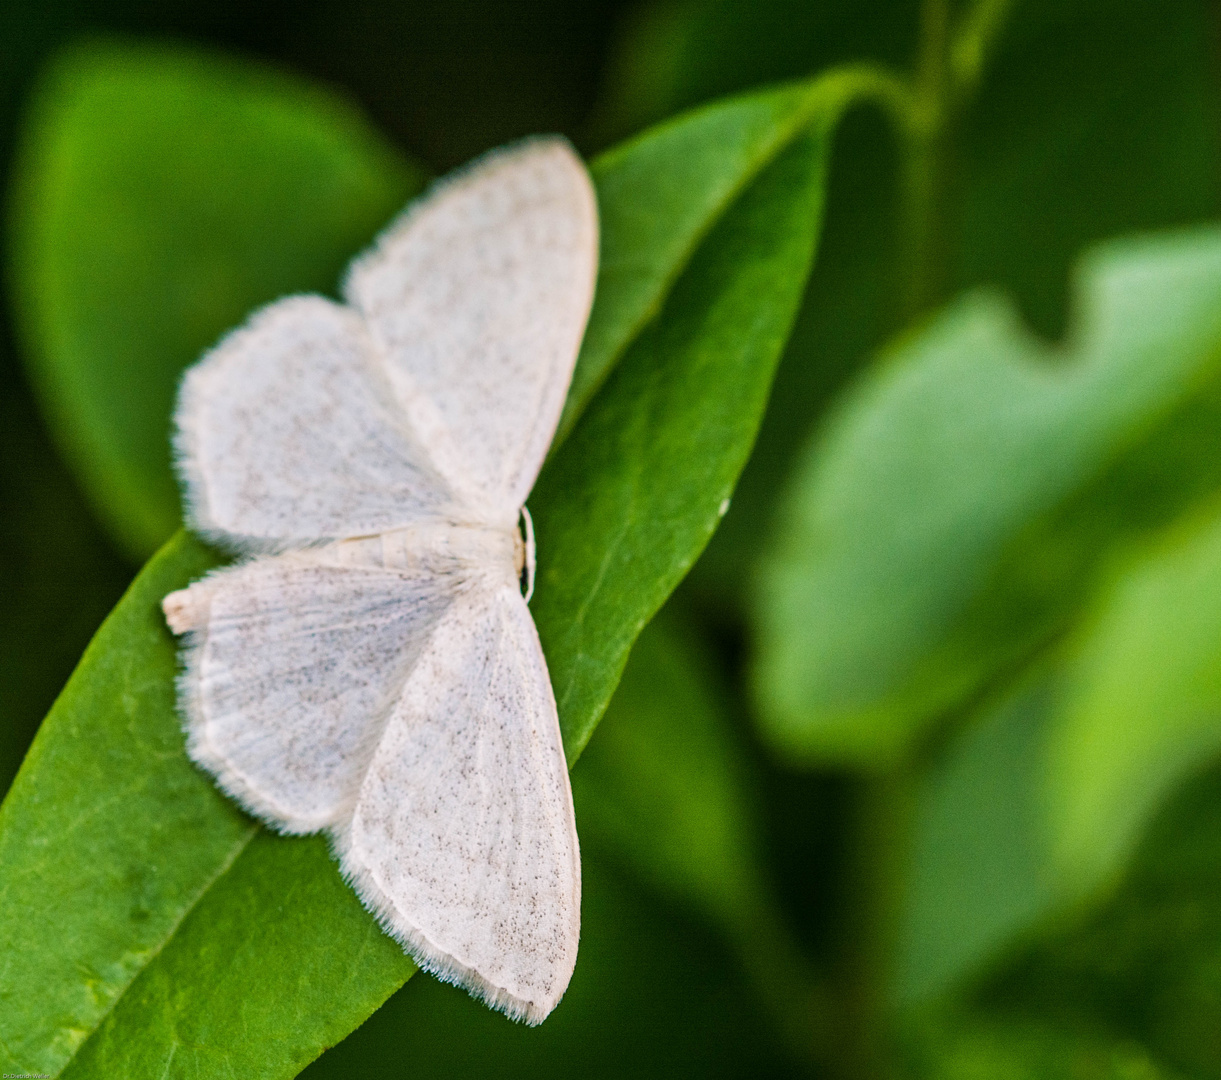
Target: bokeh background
{"x": 1099, "y": 117}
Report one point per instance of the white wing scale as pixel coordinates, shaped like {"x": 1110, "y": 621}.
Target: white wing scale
{"x": 391, "y": 687}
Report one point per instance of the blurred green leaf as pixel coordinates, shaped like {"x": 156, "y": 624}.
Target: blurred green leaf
{"x": 161, "y": 194}
{"x": 1004, "y": 1048}
{"x": 1147, "y": 964}
{"x": 1144, "y": 707}
{"x": 904, "y": 509}
{"x": 665, "y": 786}
{"x": 980, "y": 872}
{"x": 655, "y": 454}
{"x": 1041, "y": 800}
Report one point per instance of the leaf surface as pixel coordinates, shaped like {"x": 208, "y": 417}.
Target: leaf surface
{"x": 1147, "y": 963}
{"x": 275, "y": 963}
{"x": 108, "y": 835}
{"x": 660, "y": 193}
{"x": 1095, "y": 119}
{"x": 628, "y": 504}
{"x": 1143, "y": 710}
{"x": 980, "y": 874}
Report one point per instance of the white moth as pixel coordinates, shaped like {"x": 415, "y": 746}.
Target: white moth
{"x": 372, "y": 669}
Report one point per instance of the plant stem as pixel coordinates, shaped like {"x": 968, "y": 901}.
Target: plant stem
{"x": 876, "y": 884}
{"x": 950, "y": 63}
{"x": 973, "y": 38}
{"x": 925, "y": 163}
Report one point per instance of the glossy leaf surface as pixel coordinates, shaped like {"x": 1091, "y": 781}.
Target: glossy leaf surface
{"x": 638, "y": 488}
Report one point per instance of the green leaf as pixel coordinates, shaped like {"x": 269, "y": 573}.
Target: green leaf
{"x": 676, "y": 55}
{"x": 1096, "y": 118}
{"x": 980, "y": 872}
{"x": 1144, "y": 709}
{"x": 638, "y": 488}
{"x": 144, "y": 917}
{"x": 622, "y": 511}
{"x": 1147, "y": 964}
{"x": 275, "y": 962}
{"x": 660, "y": 193}
{"x": 108, "y": 835}
{"x": 872, "y": 617}
{"x": 664, "y": 785}
{"x": 1040, "y": 802}
{"x": 161, "y": 194}
{"x": 664, "y": 788}
{"x": 849, "y": 311}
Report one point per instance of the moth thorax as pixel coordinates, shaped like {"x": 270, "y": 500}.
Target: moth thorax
{"x": 441, "y": 545}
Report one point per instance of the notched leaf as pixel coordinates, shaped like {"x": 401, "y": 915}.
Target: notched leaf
{"x": 883, "y": 603}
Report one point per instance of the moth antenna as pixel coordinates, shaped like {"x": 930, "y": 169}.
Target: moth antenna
{"x": 529, "y": 530}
